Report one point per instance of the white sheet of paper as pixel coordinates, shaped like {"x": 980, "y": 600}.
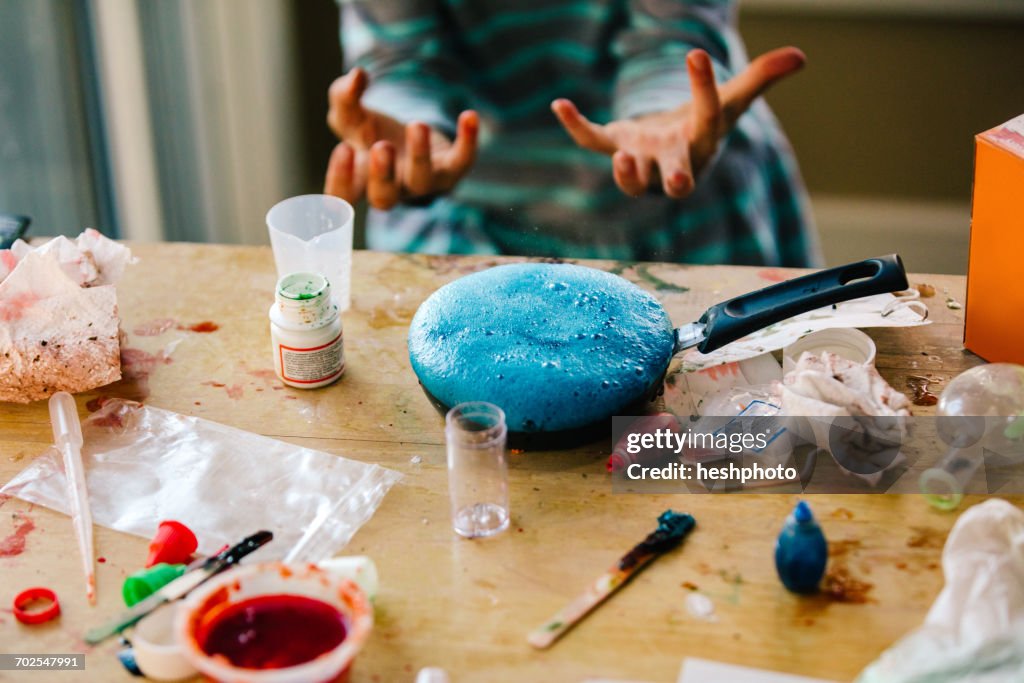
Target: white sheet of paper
{"x": 704, "y": 671}
{"x": 864, "y": 312}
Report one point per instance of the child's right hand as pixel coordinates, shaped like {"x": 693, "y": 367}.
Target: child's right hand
{"x": 387, "y": 161}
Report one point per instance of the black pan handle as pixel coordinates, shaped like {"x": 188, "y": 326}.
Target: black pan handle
{"x": 730, "y": 320}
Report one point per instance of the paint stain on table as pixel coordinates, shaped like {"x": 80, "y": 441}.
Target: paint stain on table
{"x": 204, "y": 327}
{"x": 840, "y": 586}
{"x": 154, "y": 328}
{"x": 14, "y": 544}
{"x": 921, "y": 387}
{"x": 926, "y": 538}
{"x": 843, "y": 547}
{"x": 264, "y": 374}
{"x": 235, "y": 391}
{"x": 158, "y": 326}
{"x": 137, "y": 364}
{"x": 136, "y": 367}
{"x": 773, "y": 275}
{"x": 94, "y": 404}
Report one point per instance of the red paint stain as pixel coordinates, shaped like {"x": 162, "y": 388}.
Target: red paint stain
{"x": 138, "y": 364}
{"x": 136, "y": 367}
{"x": 840, "y": 586}
{"x": 235, "y": 391}
{"x": 8, "y": 259}
{"x": 717, "y": 372}
{"x": 267, "y": 375}
{"x": 290, "y": 397}
{"x": 921, "y": 386}
{"x": 154, "y": 328}
{"x": 14, "y": 544}
{"x": 94, "y": 404}
{"x": 114, "y": 415}
{"x": 204, "y": 327}
{"x": 101, "y": 560}
{"x": 14, "y": 307}
{"x": 773, "y": 275}
{"x": 210, "y": 383}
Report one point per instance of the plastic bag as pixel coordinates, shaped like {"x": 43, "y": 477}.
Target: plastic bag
{"x": 974, "y": 632}
{"x": 144, "y": 465}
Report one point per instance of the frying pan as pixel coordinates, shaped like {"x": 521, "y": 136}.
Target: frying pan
{"x": 562, "y": 348}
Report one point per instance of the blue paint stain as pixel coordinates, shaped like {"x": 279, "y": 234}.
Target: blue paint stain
{"x": 801, "y": 551}
{"x": 556, "y": 346}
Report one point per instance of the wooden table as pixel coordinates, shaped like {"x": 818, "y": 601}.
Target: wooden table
{"x": 467, "y": 605}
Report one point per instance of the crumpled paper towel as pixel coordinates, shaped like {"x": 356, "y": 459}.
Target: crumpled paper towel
{"x": 830, "y": 385}
{"x": 826, "y": 389}
{"x": 974, "y": 632}
{"x": 58, "y": 316}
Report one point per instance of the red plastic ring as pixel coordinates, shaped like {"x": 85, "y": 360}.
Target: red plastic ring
{"x": 22, "y": 599}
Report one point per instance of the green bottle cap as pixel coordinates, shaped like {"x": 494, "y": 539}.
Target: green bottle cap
{"x": 140, "y": 585}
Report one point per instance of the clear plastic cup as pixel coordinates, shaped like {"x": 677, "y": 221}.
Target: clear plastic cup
{"x": 477, "y": 469}
{"x": 312, "y": 233}
{"x": 275, "y": 578}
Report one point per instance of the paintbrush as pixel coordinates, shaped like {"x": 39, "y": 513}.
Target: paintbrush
{"x": 197, "y": 573}
{"x": 672, "y": 528}
{"x": 67, "y": 437}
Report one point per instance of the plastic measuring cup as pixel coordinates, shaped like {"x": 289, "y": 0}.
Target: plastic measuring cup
{"x": 312, "y": 233}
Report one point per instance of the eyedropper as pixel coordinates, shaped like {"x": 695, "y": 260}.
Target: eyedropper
{"x": 67, "y": 436}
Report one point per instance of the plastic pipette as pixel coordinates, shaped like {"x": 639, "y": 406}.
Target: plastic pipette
{"x": 67, "y": 435}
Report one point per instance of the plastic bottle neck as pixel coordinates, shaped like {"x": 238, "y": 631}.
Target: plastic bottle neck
{"x": 304, "y": 300}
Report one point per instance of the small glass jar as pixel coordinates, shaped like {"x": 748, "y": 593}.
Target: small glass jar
{"x": 305, "y": 330}
{"x": 477, "y": 469}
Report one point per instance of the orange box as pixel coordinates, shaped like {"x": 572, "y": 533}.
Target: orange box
{"x": 994, "y": 326}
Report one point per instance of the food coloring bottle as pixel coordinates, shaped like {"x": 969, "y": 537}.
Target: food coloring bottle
{"x": 305, "y": 330}
{"x": 801, "y": 551}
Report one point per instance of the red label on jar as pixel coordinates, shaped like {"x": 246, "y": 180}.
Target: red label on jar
{"x": 314, "y": 364}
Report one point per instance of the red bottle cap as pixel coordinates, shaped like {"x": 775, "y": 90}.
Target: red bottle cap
{"x": 38, "y": 616}
{"x": 174, "y": 543}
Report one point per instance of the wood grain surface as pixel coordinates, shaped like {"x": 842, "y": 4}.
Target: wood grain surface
{"x": 468, "y": 605}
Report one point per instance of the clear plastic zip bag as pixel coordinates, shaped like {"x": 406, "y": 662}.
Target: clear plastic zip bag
{"x": 145, "y": 464}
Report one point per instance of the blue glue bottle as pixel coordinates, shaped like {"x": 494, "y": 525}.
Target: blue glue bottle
{"x": 801, "y": 551}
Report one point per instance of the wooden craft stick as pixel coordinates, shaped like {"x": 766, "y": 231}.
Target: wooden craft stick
{"x": 672, "y": 528}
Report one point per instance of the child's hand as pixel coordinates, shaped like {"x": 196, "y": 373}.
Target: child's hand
{"x": 670, "y": 148}
{"x": 386, "y": 160}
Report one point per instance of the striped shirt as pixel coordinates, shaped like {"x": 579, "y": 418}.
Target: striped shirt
{"x": 532, "y": 191}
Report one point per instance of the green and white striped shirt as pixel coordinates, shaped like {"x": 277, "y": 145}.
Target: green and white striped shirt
{"x": 532, "y": 191}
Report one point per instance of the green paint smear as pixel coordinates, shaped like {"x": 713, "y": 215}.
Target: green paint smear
{"x": 645, "y": 274}
{"x": 303, "y": 291}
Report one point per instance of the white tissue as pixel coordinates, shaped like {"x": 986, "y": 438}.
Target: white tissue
{"x": 823, "y": 388}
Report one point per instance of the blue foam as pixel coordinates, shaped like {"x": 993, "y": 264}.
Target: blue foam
{"x": 556, "y": 346}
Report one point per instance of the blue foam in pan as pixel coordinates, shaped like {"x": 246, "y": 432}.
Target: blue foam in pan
{"x": 556, "y": 346}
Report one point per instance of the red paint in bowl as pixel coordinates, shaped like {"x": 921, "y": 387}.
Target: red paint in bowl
{"x": 271, "y": 631}
{"x": 274, "y": 623}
